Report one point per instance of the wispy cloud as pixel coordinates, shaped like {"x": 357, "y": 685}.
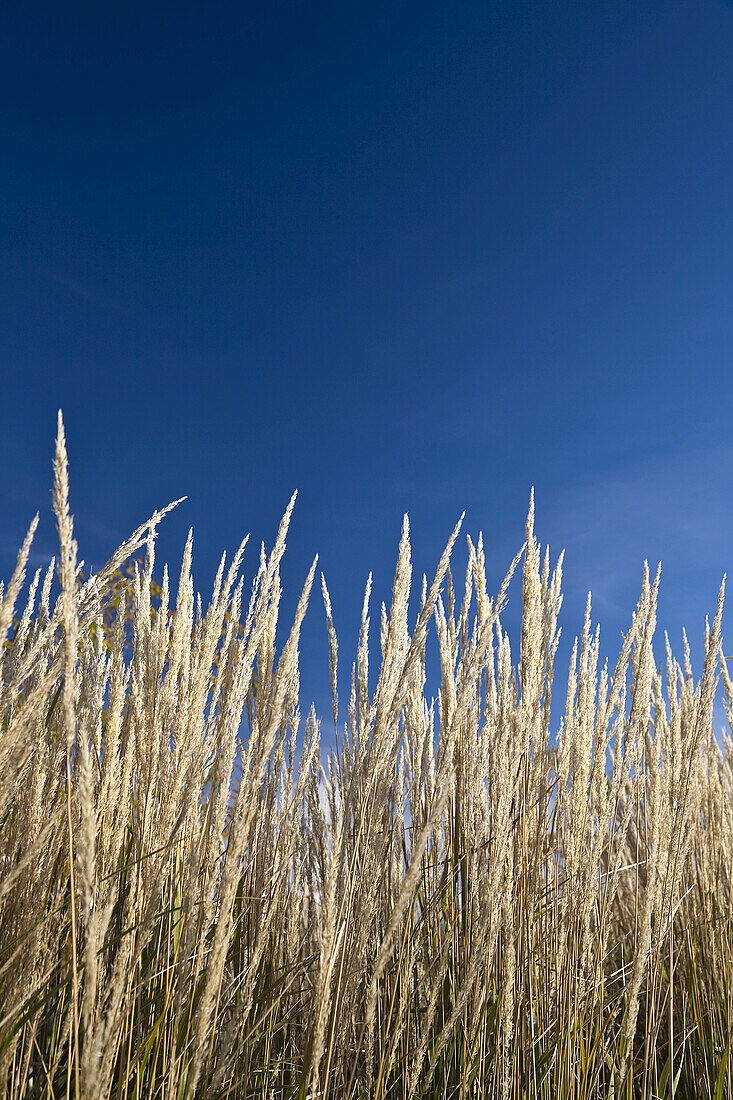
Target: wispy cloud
{"x": 78, "y": 287}
{"x": 672, "y": 508}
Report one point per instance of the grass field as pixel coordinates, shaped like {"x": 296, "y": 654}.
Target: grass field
{"x": 458, "y": 902}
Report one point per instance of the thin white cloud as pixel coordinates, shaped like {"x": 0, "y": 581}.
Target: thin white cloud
{"x": 673, "y": 508}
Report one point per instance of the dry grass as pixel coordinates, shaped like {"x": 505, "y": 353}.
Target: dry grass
{"x": 460, "y": 903}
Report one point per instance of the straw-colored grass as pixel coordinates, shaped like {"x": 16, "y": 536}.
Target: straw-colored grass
{"x": 462, "y": 902}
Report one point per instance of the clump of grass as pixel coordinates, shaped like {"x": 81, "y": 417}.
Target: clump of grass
{"x": 459, "y": 903}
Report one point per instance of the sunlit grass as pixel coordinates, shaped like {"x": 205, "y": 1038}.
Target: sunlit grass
{"x": 459, "y": 901}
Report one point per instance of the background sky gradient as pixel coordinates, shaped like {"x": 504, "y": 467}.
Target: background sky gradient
{"x": 411, "y": 257}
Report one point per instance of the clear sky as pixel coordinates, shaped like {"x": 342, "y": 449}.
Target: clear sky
{"x": 404, "y": 257}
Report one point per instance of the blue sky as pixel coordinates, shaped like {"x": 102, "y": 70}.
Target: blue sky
{"x": 404, "y": 258}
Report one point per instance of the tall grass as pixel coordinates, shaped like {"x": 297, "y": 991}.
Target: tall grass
{"x": 461, "y": 902}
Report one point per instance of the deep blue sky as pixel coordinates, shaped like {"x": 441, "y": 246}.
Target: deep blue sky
{"x": 403, "y": 257}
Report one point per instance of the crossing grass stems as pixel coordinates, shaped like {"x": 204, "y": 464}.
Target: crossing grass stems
{"x": 458, "y": 902}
